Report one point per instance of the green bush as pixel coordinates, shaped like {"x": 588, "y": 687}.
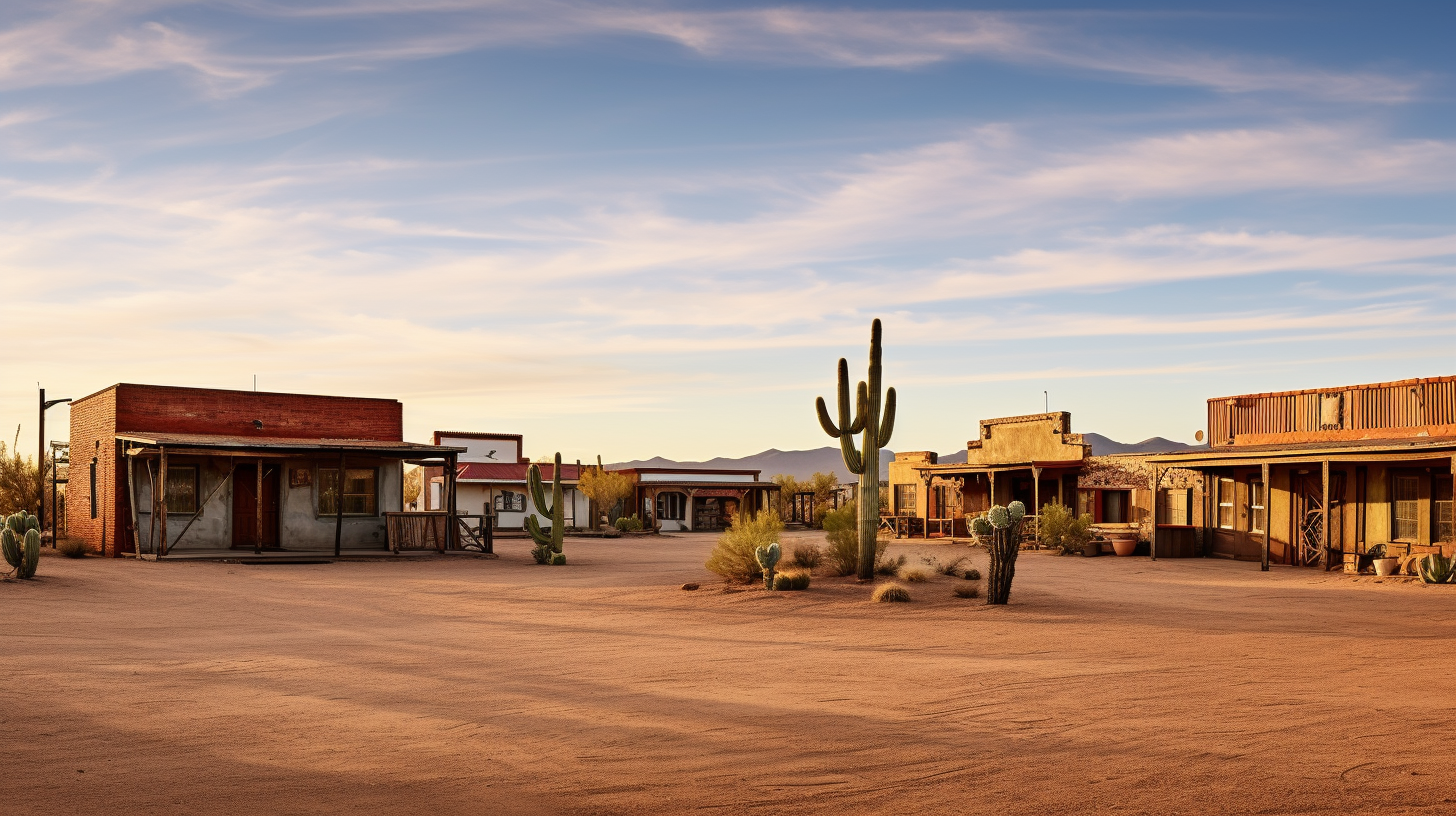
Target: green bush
{"x": 1061, "y": 531}
{"x": 791, "y": 581}
{"x": 630, "y": 524}
{"x": 890, "y": 593}
{"x": 733, "y": 555}
{"x": 807, "y": 556}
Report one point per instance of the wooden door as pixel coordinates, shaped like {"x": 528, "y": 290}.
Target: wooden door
{"x": 245, "y": 506}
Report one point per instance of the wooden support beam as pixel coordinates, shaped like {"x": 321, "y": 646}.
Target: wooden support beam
{"x": 1036, "y": 499}
{"x": 198, "y": 512}
{"x": 136, "y": 547}
{"x": 162, "y": 503}
{"x": 339, "y": 509}
{"x": 1268, "y": 513}
{"x": 1153, "y": 545}
{"x": 453, "y": 509}
{"x": 258, "y": 514}
{"x": 1324, "y": 514}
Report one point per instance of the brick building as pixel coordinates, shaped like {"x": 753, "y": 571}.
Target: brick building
{"x": 235, "y": 470}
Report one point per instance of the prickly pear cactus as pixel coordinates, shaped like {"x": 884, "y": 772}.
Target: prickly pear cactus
{"x": 768, "y": 558}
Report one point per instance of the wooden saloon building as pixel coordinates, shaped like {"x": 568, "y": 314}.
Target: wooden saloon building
{"x": 165, "y": 471}
{"x": 696, "y": 499}
{"x": 1319, "y": 476}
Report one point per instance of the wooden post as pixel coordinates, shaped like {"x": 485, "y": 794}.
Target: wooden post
{"x": 136, "y": 548}
{"x": 160, "y": 496}
{"x": 1153, "y": 544}
{"x": 990, "y": 489}
{"x": 1036, "y": 500}
{"x": 258, "y": 513}
{"x": 339, "y": 508}
{"x": 1268, "y": 512}
{"x": 452, "y": 509}
{"x": 152, "y": 516}
{"x": 1324, "y": 514}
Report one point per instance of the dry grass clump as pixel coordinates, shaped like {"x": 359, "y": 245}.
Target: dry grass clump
{"x": 891, "y": 593}
{"x": 72, "y": 548}
{"x": 807, "y": 556}
{"x": 792, "y": 581}
{"x": 948, "y": 567}
{"x": 913, "y": 575}
{"x": 972, "y": 574}
{"x": 967, "y": 591}
{"x": 885, "y": 565}
{"x": 732, "y": 557}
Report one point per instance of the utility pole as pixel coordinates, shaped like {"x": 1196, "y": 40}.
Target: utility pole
{"x": 40, "y": 463}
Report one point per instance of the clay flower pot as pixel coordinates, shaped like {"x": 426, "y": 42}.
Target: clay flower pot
{"x": 1092, "y": 549}
{"x": 1386, "y": 567}
{"x": 1124, "y": 544}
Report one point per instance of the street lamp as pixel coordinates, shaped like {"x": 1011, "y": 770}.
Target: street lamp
{"x": 40, "y": 464}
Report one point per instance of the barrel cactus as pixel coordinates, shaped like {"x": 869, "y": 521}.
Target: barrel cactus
{"x": 548, "y": 543}
{"x": 20, "y": 544}
{"x": 768, "y": 558}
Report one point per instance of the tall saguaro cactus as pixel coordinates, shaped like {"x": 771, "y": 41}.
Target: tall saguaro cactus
{"x": 876, "y": 430}
{"x": 548, "y": 545}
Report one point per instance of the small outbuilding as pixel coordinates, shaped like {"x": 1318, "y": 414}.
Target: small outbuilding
{"x": 163, "y": 471}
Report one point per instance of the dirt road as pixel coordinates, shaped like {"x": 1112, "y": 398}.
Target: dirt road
{"x": 464, "y": 686}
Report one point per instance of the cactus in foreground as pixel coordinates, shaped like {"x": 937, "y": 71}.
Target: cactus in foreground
{"x": 876, "y": 428}
{"x": 1438, "y": 569}
{"x": 20, "y": 544}
{"x": 1003, "y": 525}
{"x": 767, "y": 558}
{"x": 548, "y": 544}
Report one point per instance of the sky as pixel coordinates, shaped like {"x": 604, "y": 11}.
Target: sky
{"x": 652, "y": 228}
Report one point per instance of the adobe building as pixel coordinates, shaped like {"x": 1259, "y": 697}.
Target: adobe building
{"x": 491, "y": 480}
{"x": 167, "y": 471}
{"x": 696, "y": 499}
{"x": 1037, "y": 460}
{"x": 1319, "y": 476}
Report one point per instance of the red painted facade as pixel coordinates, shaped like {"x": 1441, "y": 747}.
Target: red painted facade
{"x": 127, "y": 408}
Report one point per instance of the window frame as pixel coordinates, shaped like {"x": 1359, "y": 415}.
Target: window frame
{"x": 500, "y": 498}
{"x": 1125, "y": 498}
{"x": 902, "y": 491}
{"x": 1181, "y": 509}
{"x": 666, "y": 499}
{"x": 1258, "y": 512}
{"x": 1225, "y": 488}
{"x": 344, "y": 494}
{"x": 1414, "y": 504}
{"x": 167, "y": 497}
{"x": 1441, "y": 501}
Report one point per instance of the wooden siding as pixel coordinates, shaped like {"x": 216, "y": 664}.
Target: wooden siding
{"x": 1403, "y": 409}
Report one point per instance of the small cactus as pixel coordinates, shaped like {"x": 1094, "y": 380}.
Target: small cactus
{"x": 20, "y": 544}
{"x": 1000, "y": 517}
{"x": 981, "y": 526}
{"x": 768, "y": 558}
{"x": 1017, "y": 511}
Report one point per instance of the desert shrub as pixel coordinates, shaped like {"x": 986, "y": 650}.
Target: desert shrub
{"x": 913, "y": 575}
{"x": 1063, "y": 532}
{"x": 72, "y": 548}
{"x": 890, "y": 593}
{"x": 967, "y": 591}
{"x": 807, "y": 556}
{"x": 630, "y": 524}
{"x": 791, "y": 581}
{"x": 842, "y": 554}
{"x": 733, "y": 555}
{"x": 948, "y": 567}
{"x": 885, "y": 565}
{"x": 972, "y": 574}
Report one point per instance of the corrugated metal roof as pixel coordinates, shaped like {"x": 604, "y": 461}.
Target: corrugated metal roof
{"x": 231, "y": 442}
{"x": 1357, "y": 446}
{"x": 512, "y": 472}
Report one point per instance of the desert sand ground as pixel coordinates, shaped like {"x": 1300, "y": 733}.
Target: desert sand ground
{"x": 479, "y": 686}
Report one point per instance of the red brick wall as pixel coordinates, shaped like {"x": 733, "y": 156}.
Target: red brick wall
{"x": 93, "y": 419}
{"x": 166, "y": 409}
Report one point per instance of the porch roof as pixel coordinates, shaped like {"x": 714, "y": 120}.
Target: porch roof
{"x": 222, "y": 443}
{"x": 960, "y": 468}
{"x": 512, "y": 472}
{"x": 712, "y": 485}
{"x": 1302, "y": 452}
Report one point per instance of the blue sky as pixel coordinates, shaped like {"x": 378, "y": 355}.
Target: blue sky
{"x": 642, "y": 229}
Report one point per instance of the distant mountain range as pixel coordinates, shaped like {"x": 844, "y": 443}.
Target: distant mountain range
{"x": 805, "y": 463}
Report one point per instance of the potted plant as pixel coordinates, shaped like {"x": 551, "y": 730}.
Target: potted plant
{"x": 1123, "y": 544}
{"x": 1385, "y": 565}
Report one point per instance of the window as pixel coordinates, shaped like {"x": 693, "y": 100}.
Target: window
{"x": 1405, "y": 508}
{"x": 510, "y": 502}
{"x": 1226, "y": 504}
{"x": 93, "y": 488}
{"x": 360, "y": 496}
{"x": 1086, "y": 502}
{"x": 1175, "y": 507}
{"x": 182, "y": 489}
{"x": 672, "y": 506}
{"x": 1441, "y": 521}
{"x": 1256, "y": 506}
{"x": 905, "y": 500}
{"x": 1114, "y": 506}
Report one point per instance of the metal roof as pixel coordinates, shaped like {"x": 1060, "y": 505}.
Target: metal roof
{"x": 281, "y": 443}
{"x": 1295, "y": 450}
